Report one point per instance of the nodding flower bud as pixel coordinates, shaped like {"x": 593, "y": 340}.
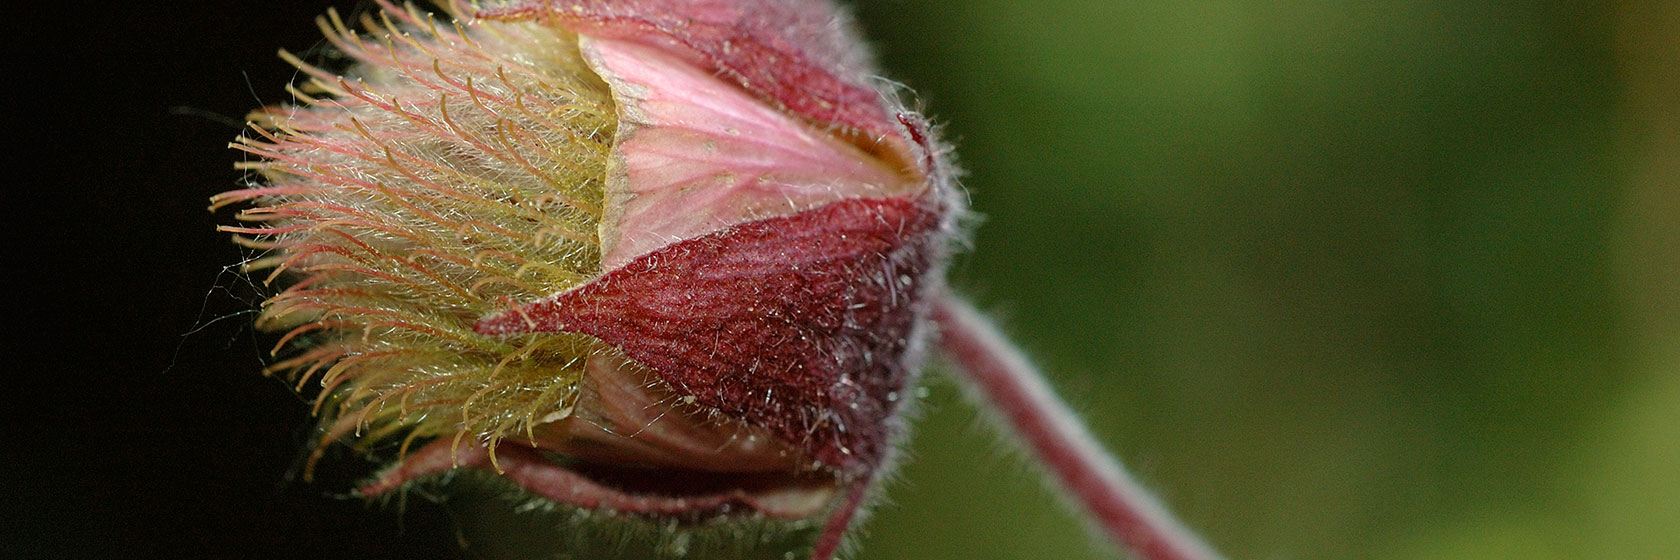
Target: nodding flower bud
{"x": 665, "y": 258}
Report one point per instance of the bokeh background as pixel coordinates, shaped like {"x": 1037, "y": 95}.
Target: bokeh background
{"x": 1340, "y": 279}
{"x": 1386, "y": 280}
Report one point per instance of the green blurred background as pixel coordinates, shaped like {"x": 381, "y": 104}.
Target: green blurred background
{"x": 1338, "y": 279}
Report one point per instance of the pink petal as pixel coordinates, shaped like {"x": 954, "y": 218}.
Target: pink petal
{"x": 696, "y": 154}
{"x": 801, "y": 55}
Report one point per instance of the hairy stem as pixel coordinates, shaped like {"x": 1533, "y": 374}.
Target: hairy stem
{"x": 1088, "y": 474}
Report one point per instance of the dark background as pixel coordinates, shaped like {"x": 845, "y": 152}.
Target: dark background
{"x": 1388, "y": 279}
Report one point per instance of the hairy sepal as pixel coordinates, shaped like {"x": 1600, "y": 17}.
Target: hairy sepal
{"x": 800, "y": 325}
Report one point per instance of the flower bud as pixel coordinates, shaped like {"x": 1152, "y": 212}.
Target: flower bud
{"x": 661, "y": 258}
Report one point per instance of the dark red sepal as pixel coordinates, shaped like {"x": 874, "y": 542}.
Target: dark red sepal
{"x": 798, "y": 324}
{"x": 683, "y": 497}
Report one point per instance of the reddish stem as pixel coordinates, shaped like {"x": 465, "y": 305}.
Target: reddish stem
{"x": 834, "y": 532}
{"x": 1088, "y": 474}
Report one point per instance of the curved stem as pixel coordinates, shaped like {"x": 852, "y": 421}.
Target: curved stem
{"x": 1089, "y": 475}
{"x": 840, "y": 521}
